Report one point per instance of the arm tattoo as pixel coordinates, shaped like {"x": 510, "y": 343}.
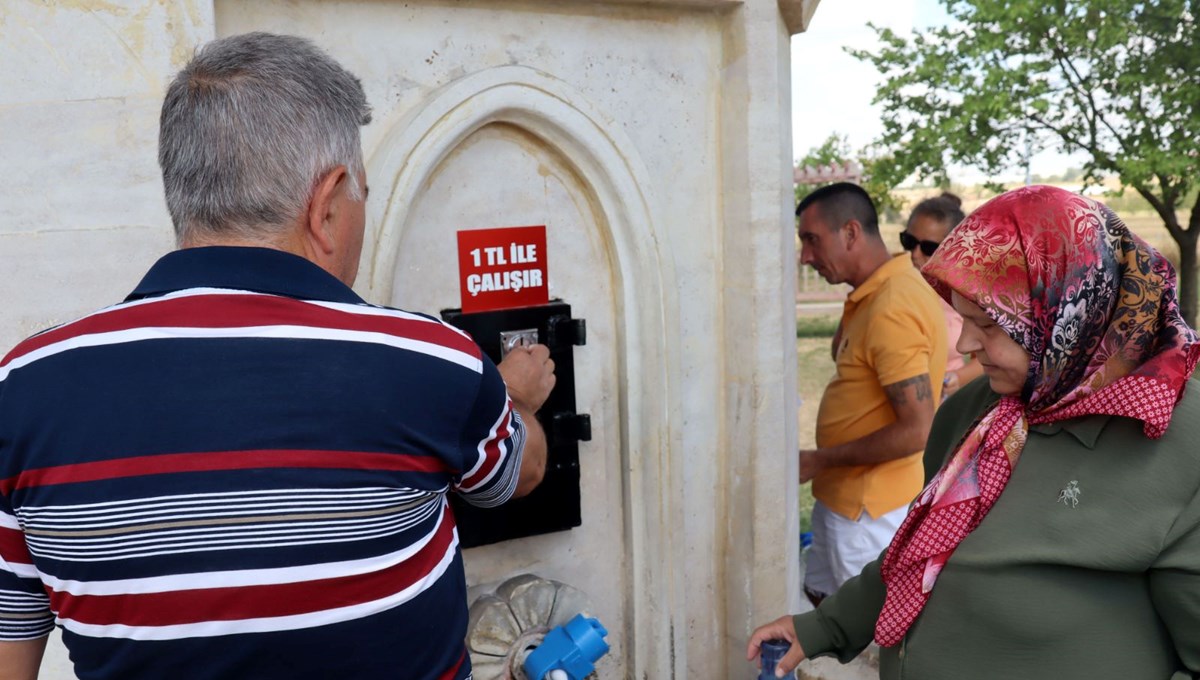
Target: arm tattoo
{"x": 896, "y": 391}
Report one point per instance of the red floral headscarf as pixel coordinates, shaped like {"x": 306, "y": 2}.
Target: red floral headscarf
{"x": 1094, "y": 306}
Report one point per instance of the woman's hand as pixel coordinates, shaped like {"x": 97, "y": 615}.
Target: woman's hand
{"x": 781, "y": 628}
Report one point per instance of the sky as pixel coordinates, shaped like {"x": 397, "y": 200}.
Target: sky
{"x": 832, "y": 91}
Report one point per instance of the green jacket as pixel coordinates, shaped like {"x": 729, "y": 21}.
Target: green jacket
{"x": 1107, "y": 586}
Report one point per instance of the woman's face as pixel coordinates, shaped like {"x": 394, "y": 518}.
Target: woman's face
{"x": 925, "y": 228}
{"x": 1004, "y": 362}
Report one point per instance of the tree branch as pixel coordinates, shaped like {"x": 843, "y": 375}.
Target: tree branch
{"x": 1105, "y": 160}
{"x": 1164, "y": 206}
{"x": 1194, "y": 220}
{"x": 1081, "y": 91}
{"x": 1166, "y": 211}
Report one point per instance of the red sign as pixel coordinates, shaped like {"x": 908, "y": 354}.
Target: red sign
{"x": 502, "y": 268}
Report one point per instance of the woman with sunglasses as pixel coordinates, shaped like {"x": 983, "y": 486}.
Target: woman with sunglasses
{"x": 928, "y": 225}
{"x": 1061, "y": 537}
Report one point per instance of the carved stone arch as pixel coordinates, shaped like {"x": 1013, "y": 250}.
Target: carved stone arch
{"x": 643, "y": 272}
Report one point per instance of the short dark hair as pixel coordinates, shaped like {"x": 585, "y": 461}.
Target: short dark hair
{"x": 945, "y": 209}
{"x": 841, "y": 202}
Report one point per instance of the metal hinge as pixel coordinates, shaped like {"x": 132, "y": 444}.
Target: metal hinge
{"x": 571, "y": 427}
{"x": 563, "y": 330}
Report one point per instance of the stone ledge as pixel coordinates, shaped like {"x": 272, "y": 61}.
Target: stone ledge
{"x": 797, "y": 14}
{"x": 668, "y": 3}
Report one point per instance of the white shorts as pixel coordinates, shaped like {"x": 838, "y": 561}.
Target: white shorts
{"x": 841, "y": 547}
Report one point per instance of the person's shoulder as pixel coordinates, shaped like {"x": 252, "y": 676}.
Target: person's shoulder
{"x": 1190, "y": 403}
{"x": 425, "y": 326}
{"x": 1178, "y": 441}
{"x": 977, "y": 391}
{"x": 906, "y": 304}
{"x": 28, "y": 348}
{"x": 953, "y": 418}
{"x": 969, "y": 402}
{"x": 907, "y": 292}
{"x": 1185, "y": 419}
{"x": 24, "y": 346}
{"x": 1176, "y": 450}
{"x": 406, "y": 314}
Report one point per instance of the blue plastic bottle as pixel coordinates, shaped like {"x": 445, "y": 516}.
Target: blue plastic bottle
{"x": 769, "y": 655}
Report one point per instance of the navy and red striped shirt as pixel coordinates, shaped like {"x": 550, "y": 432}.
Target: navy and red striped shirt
{"x": 241, "y": 471}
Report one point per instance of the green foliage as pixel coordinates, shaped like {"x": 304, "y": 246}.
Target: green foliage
{"x": 816, "y": 326}
{"x": 836, "y": 150}
{"x": 876, "y": 172}
{"x": 1115, "y": 79}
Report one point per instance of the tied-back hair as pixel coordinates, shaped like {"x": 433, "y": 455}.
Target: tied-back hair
{"x": 945, "y": 209}
{"x": 247, "y": 130}
{"x": 841, "y": 202}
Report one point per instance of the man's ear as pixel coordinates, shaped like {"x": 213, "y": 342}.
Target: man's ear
{"x": 852, "y": 233}
{"x": 319, "y": 226}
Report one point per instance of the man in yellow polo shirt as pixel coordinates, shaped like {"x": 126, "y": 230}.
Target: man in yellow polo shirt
{"x": 875, "y": 415}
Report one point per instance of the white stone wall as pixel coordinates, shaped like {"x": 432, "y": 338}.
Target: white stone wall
{"x": 652, "y": 140}
{"x": 81, "y": 84}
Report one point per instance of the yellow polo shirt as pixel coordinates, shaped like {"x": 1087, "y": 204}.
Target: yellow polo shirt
{"x": 893, "y": 328}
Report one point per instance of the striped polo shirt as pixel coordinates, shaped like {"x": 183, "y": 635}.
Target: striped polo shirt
{"x": 242, "y": 471}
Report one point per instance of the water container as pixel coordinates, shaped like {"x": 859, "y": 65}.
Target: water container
{"x": 805, "y": 546}
{"x": 769, "y": 655}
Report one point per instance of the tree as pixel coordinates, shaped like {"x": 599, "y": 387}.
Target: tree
{"x": 1115, "y": 79}
{"x": 835, "y": 150}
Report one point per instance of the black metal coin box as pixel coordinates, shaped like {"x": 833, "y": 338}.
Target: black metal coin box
{"x": 554, "y": 505}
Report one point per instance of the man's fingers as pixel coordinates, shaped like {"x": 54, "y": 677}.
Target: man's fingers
{"x": 790, "y": 660}
{"x": 752, "y": 648}
{"x": 779, "y": 629}
{"x": 540, "y": 352}
{"x": 756, "y": 639}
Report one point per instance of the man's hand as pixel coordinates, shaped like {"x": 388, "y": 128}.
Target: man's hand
{"x": 809, "y": 465}
{"x": 782, "y": 628}
{"x": 528, "y": 373}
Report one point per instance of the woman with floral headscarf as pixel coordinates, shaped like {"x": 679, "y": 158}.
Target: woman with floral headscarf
{"x": 1061, "y": 537}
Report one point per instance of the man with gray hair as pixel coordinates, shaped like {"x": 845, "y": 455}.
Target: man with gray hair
{"x": 242, "y": 470}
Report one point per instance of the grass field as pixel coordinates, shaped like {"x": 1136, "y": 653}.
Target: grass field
{"x": 815, "y": 371}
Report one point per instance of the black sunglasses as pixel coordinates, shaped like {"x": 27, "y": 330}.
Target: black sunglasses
{"x": 910, "y": 242}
